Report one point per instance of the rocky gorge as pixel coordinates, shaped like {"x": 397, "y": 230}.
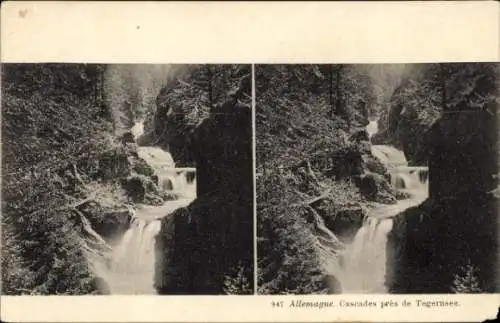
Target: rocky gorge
{"x": 98, "y": 171}
{"x": 376, "y": 179}
{"x": 317, "y": 177}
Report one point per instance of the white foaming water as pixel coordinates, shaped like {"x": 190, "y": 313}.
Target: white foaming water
{"x": 132, "y": 267}
{"x": 364, "y": 260}
{"x": 372, "y": 128}
{"x": 138, "y": 129}
{"x": 180, "y": 181}
{"x": 133, "y": 264}
{"x": 156, "y": 157}
{"x": 389, "y": 155}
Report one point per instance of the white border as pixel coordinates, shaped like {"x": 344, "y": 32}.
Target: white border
{"x": 473, "y": 308}
{"x": 254, "y": 165}
{"x": 243, "y": 32}
{"x": 250, "y": 32}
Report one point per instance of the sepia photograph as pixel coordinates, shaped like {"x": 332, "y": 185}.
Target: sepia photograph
{"x": 249, "y": 161}
{"x": 126, "y": 179}
{"x": 377, "y": 178}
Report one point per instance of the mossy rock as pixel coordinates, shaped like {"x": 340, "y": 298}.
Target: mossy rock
{"x": 142, "y": 168}
{"x": 375, "y": 187}
{"x": 139, "y": 187}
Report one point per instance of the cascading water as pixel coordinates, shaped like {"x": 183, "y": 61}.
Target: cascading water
{"x": 133, "y": 263}
{"x": 372, "y": 128}
{"x": 364, "y": 260}
{"x": 132, "y": 267}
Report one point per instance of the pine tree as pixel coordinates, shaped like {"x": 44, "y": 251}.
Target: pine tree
{"x": 466, "y": 280}
{"x": 237, "y": 283}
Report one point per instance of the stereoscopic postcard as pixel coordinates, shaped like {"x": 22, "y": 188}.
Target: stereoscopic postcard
{"x": 250, "y": 162}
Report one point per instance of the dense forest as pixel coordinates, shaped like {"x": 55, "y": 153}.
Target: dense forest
{"x": 72, "y": 175}
{"x": 57, "y": 149}
{"x": 314, "y": 169}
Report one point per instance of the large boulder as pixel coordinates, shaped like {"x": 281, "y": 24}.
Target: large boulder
{"x": 359, "y": 136}
{"x": 375, "y": 188}
{"x": 138, "y": 187}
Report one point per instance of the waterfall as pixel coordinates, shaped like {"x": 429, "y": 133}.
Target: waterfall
{"x": 372, "y": 128}
{"x": 132, "y": 268}
{"x": 364, "y": 260}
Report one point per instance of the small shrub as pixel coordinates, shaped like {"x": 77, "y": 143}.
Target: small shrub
{"x": 466, "y": 280}
{"x": 237, "y": 283}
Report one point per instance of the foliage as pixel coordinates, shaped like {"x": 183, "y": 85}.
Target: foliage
{"x": 14, "y": 271}
{"x": 131, "y": 91}
{"x": 466, "y": 281}
{"x": 188, "y": 97}
{"x": 54, "y": 129}
{"x": 427, "y": 91}
{"x": 290, "y": 102}
{"x": 46, "y": 243}
{"x": 305, "y": 118}
{"x": 51, "y": 119}
{"x": 288, "y": 261}
{"x": 238, "y": 282}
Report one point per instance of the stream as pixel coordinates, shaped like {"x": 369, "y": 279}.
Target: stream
{"x": 132, "y": 267}
{"x": 364, "y": 260}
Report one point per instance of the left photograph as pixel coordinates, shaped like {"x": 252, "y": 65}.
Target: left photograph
{"x": 126, "y": 179}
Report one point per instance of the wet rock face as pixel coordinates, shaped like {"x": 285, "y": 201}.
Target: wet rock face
{"x": 140, "y": 188}
{"x": 430, "y": 245}
{"x": 210, "y": 239}
{"x": 213, "y": 234}
{"x": 463, "y": 155}
{"x": 222, "y": 151}
{"x": 375, "y": 187}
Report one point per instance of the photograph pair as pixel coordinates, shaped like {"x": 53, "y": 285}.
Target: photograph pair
{"x": 240, "y": 179}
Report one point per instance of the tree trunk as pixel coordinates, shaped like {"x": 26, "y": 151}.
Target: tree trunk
{"x": 330, "y": 88}
{"x": 338, "y": 100}
{"x": 210, "y": 87}
{"x": 443, "y": 86}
